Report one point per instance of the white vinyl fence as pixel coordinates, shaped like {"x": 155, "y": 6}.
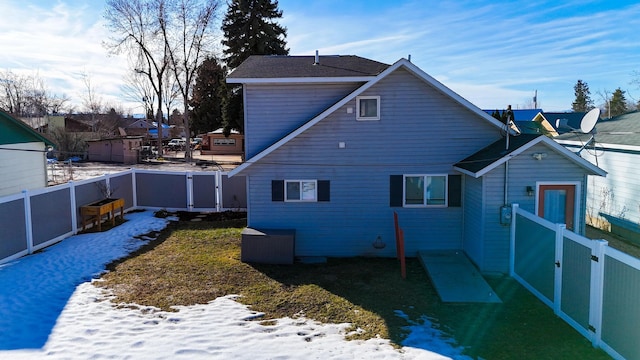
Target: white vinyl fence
{"x": 35, "y": 219}
{"x": 593, "y": 287}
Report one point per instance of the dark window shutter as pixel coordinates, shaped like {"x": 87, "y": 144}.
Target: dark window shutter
{"x": 455, "y": 190}
{"x": 277, "y": 190}
{"x": 324, "y": 190}
{"x": 395, "y": 190}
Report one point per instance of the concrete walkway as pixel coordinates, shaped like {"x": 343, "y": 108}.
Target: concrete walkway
{"x": 455, "y": 278}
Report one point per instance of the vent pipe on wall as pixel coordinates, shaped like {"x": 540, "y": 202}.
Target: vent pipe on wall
{"x": 317, "y": 60}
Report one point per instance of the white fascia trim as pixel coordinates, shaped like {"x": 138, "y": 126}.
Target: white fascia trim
{"x": 314, "y": 121}
{"x": 402, "y": 62}
{"x": 299, "y": 80}
{"x": 452, "y": 94}
{"x": 573, "y": 156}
{"x": 466, "y": 172}
{"x": 600, "y": 145}
{"x": 550, "y": 143}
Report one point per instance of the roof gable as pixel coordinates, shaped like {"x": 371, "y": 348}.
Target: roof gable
{"x": 15, "y": 131}
{"x": 498, "y": 153}
{"x": 400, "y": 63}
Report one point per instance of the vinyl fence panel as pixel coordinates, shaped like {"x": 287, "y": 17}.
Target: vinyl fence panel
{"x": 535, "y": 256}
{"x": 13, "y": 237}
{"x": 51, "y": 216}
{"x": 162, "y": 190}
{"x": 621, "y": 304}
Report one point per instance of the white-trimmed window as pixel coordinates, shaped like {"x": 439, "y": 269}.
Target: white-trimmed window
{"x": 425, "y": 190}
{"x": 300, "y": 190}
{"x": 368, "y": 108}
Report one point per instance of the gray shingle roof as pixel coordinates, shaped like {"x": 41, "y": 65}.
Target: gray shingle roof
{"x": 494, "y": 152}
{"x": 621, "y": 130}
{"x": 280, "y": 66}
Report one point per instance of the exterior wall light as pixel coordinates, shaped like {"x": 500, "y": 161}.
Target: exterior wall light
{"x": 530, "y": 191}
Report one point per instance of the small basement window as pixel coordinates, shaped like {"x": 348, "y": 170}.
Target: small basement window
{"x": 368, "y": 108}
{"x": 301, "y": 190}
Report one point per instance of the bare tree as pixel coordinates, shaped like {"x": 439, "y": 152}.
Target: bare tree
{"x": 171, "y": 92}
{"x": 137, "y": 88}
{"x": 14, "y": 92}
{"x": 134, "y": 25}
{"x": 91, "y": 101}
{"x": 187, "y": 31}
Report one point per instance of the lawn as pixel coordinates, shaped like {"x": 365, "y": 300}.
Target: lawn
{"x": 195, "y": 262}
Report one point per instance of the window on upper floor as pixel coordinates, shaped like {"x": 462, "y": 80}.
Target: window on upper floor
{"x": 368, "y": 108}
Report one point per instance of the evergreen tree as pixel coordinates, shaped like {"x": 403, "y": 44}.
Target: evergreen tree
{"x": 618, "y": 103}
{"x": 209, "y": 93}
{"x": 583, "y": 102}
{"x": 250, "y": 29}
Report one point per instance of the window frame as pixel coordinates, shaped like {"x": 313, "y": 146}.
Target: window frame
{"x": 368, "y": 118}
{"x": 300, "y": 182}
{"x": 425, "y": 202}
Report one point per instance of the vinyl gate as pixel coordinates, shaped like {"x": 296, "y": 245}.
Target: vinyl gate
{"x": 593, "y": 287}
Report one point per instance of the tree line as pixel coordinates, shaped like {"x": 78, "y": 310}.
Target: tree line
{"x": 614, "y": 104}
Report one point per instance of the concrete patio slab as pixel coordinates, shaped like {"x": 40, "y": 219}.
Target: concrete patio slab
{"x": 455, "y": 278}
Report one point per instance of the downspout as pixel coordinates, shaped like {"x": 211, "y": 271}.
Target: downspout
{"x": 506, "y": 165}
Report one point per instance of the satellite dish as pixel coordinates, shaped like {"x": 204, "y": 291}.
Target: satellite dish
{"x": 589, "y": 120}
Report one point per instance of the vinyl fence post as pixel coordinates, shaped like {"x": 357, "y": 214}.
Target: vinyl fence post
{"x": 597, "y": 290}
{"x": 74, "y": 207}
{"x": 189, "y": 177}
{"x": 134, "y": 191}
{"x": 28, "y": 221}
{"x": 512, "y": 249}
{"x": 557, "y": 283}
{"x": 218, "y": 190}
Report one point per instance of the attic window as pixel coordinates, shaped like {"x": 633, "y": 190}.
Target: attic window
{"x": 368, "y": 108}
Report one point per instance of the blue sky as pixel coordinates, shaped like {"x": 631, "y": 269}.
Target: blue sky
{"x": 493, "y": 53}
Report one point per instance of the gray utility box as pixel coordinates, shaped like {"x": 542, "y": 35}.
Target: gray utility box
{"x": 268, "y": 246}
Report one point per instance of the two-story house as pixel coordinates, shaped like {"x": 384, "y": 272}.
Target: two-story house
{"x": 336, "y": 144}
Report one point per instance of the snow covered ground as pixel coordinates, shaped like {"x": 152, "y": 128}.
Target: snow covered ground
{"x": 49, "y": 308}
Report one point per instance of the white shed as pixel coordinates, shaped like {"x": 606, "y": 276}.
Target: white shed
{"x": 23, "y": 163}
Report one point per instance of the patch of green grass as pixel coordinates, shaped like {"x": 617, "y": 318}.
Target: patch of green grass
{"x": 193, "y": 263}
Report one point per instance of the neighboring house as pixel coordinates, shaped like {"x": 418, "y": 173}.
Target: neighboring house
{"x": 614, "y": 200}
{"x": 153, "y": 132}
{"x": 137, "y": 127}
{"x": 215, "y": 143}
{"x": 518, "y": 114}
{"x": 556, "y": 123}
{"x": 336, "y": 144}
{"x": 121, "y": 150}
{"x": 23, "y": 163}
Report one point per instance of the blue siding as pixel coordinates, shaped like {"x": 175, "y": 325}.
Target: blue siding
{"x": 277, "y": 110}
{"x": 524, "y": 171}
{"x": 420, "y": 131}
{"x": 474, "y": 219}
